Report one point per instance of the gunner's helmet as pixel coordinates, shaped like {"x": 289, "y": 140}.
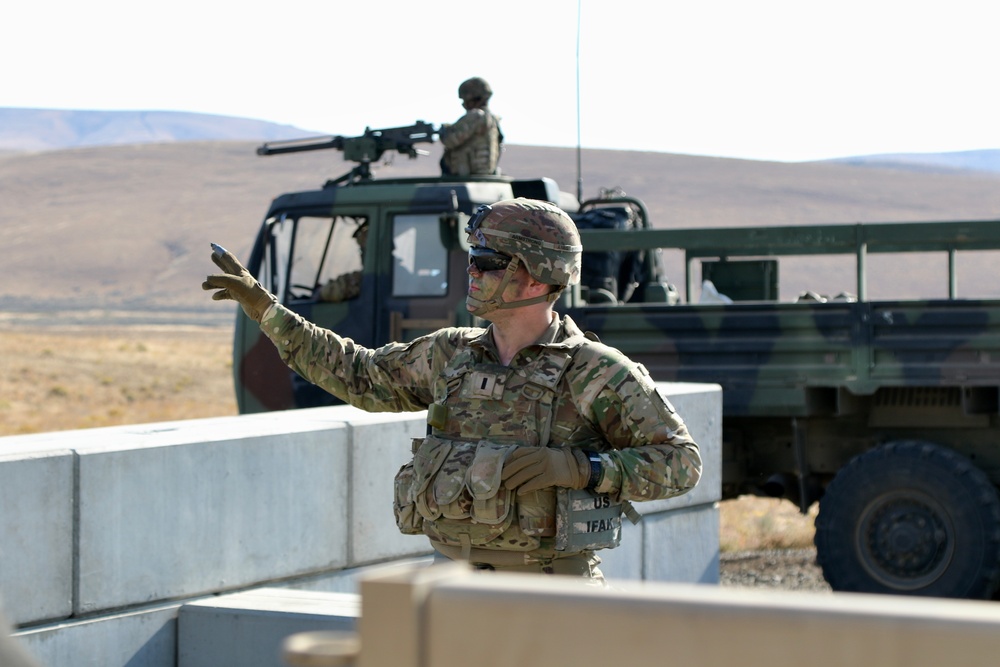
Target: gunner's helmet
{"x": 475, "y": 88}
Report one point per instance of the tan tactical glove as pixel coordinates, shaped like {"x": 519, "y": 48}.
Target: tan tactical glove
{"x": 529, "y": 469}
{"x": 237, "y": 284}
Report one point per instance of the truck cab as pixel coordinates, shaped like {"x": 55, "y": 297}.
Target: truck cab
{"x": 377, "y": 261}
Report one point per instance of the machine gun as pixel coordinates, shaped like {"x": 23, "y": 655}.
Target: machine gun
{"x": 364, "y": 150}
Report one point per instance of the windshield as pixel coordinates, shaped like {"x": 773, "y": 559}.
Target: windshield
{"x": 315, "y": 258}
{"x": 420, "y": 259}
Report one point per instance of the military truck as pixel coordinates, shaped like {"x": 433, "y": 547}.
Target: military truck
{"x": 884, "y": 412}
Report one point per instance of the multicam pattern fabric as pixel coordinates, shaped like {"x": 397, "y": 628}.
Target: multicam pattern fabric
{"x": 343, "y": 287}
{"x": 598, "y": 400}
{"x": 475, "y": 89}
{"x": 540, "y": 234}
{"x": 471, "y": 144}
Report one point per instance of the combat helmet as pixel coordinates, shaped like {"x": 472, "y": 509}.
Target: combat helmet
{"x": 535, "y": 234}
{"x": 475, "y": 88}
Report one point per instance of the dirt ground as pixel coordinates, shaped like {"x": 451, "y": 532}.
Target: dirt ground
{"x": 778, "y": 569}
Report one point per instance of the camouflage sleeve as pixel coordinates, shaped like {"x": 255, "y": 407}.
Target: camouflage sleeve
{"x": 397, "y": 377}
{"x": 651, "y": 453}
{"x": 472, "y": 123}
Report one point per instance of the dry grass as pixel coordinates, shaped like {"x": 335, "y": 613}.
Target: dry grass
{"x": 749, "y": 523}
{"x": 85, "y": 378}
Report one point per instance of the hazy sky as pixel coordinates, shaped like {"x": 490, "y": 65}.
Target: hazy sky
{"x": 760, "y": 79}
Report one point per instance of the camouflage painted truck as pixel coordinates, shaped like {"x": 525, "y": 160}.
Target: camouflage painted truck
{"x": 885, "y": 412}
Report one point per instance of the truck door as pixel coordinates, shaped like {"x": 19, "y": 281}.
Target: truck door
{"x": 426, "y": 278}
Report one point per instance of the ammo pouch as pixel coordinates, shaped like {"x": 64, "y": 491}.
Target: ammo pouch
{"x": 586, "y": 521}
{"x": 403, "y": 507}
{"x": 453, "y": 492}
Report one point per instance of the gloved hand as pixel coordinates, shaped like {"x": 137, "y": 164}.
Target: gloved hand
{"x": 531, "y": 468}
{"x": 237, "y": 284}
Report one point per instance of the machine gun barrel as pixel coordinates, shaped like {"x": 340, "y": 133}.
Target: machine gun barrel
{"x": 363, "y": 150}
{"x": 301, "y": 145}
{"x": 366, "y": 148}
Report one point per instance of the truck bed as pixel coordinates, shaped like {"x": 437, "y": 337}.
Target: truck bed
{"x": 778, "y": 359}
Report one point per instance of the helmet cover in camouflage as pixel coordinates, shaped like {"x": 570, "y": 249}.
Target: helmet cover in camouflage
{"x": 540, "y": 234}
{"x": 535, "y": 234}
{"x": 475, "y": 88}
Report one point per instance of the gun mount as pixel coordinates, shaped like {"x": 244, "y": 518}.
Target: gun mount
{"x": 364, "y": 150}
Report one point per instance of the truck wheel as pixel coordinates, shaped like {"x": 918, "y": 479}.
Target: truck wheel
{"x": 910, "y": 518}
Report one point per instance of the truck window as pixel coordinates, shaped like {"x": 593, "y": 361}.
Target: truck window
{"x": 327, "y": 260}
{"x": 274, "y": 268}
{"x": 420, "y": 266}
{"x": 339, "y": 268}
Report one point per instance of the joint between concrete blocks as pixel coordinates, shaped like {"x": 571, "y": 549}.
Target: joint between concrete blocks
{"x": 75, "y": 588}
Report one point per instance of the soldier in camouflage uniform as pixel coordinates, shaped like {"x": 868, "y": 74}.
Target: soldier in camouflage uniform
{"x": 538, "y": 436}
{"x": 472, "y": 143}
{"x": 347, "y": 285}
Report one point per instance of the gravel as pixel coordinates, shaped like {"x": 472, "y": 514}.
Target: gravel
{"x": 793, "y": 570}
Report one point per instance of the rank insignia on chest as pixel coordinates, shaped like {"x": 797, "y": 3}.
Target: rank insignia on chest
{"x": 486, "y": 384}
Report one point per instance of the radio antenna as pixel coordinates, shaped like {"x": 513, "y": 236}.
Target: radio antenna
{"x": 579, "y": 159}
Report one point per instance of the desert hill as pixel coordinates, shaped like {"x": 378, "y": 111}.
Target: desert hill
{"x": 55, "y": 129}
{"x": 981, "y": 160}
{"x": 128, "y": 227}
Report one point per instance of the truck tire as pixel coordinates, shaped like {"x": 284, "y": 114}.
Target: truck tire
{"x": 910, "y": 518}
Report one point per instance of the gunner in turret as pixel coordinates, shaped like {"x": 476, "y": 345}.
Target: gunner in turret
{"x": 473, "y": 143}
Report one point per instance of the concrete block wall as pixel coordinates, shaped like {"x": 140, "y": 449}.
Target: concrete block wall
{"x": 105, "y": 532}
{"x": 447, "y": 616}
{"x": 247, "y": 629}
{"x": 37, "y": 533}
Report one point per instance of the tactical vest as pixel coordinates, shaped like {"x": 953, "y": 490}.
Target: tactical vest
{"x": 481, "y": 152}
{"x": 452, "y": 490}
{"x": 485, "y": 149}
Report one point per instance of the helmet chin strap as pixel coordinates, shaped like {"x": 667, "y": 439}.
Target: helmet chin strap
{"x": 495, "y": 301}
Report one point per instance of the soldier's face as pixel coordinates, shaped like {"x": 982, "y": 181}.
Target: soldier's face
{"x": 483, "y": 286}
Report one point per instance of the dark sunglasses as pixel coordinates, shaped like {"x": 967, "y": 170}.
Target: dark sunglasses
{"x": 485, "y": 259}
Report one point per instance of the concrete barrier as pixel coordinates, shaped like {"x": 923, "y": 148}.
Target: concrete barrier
{"x": 106, "y": 532}
{"x": 37, "y": 533}
{"x": 248, "y": 629}
{"x": 449, "y": 616}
